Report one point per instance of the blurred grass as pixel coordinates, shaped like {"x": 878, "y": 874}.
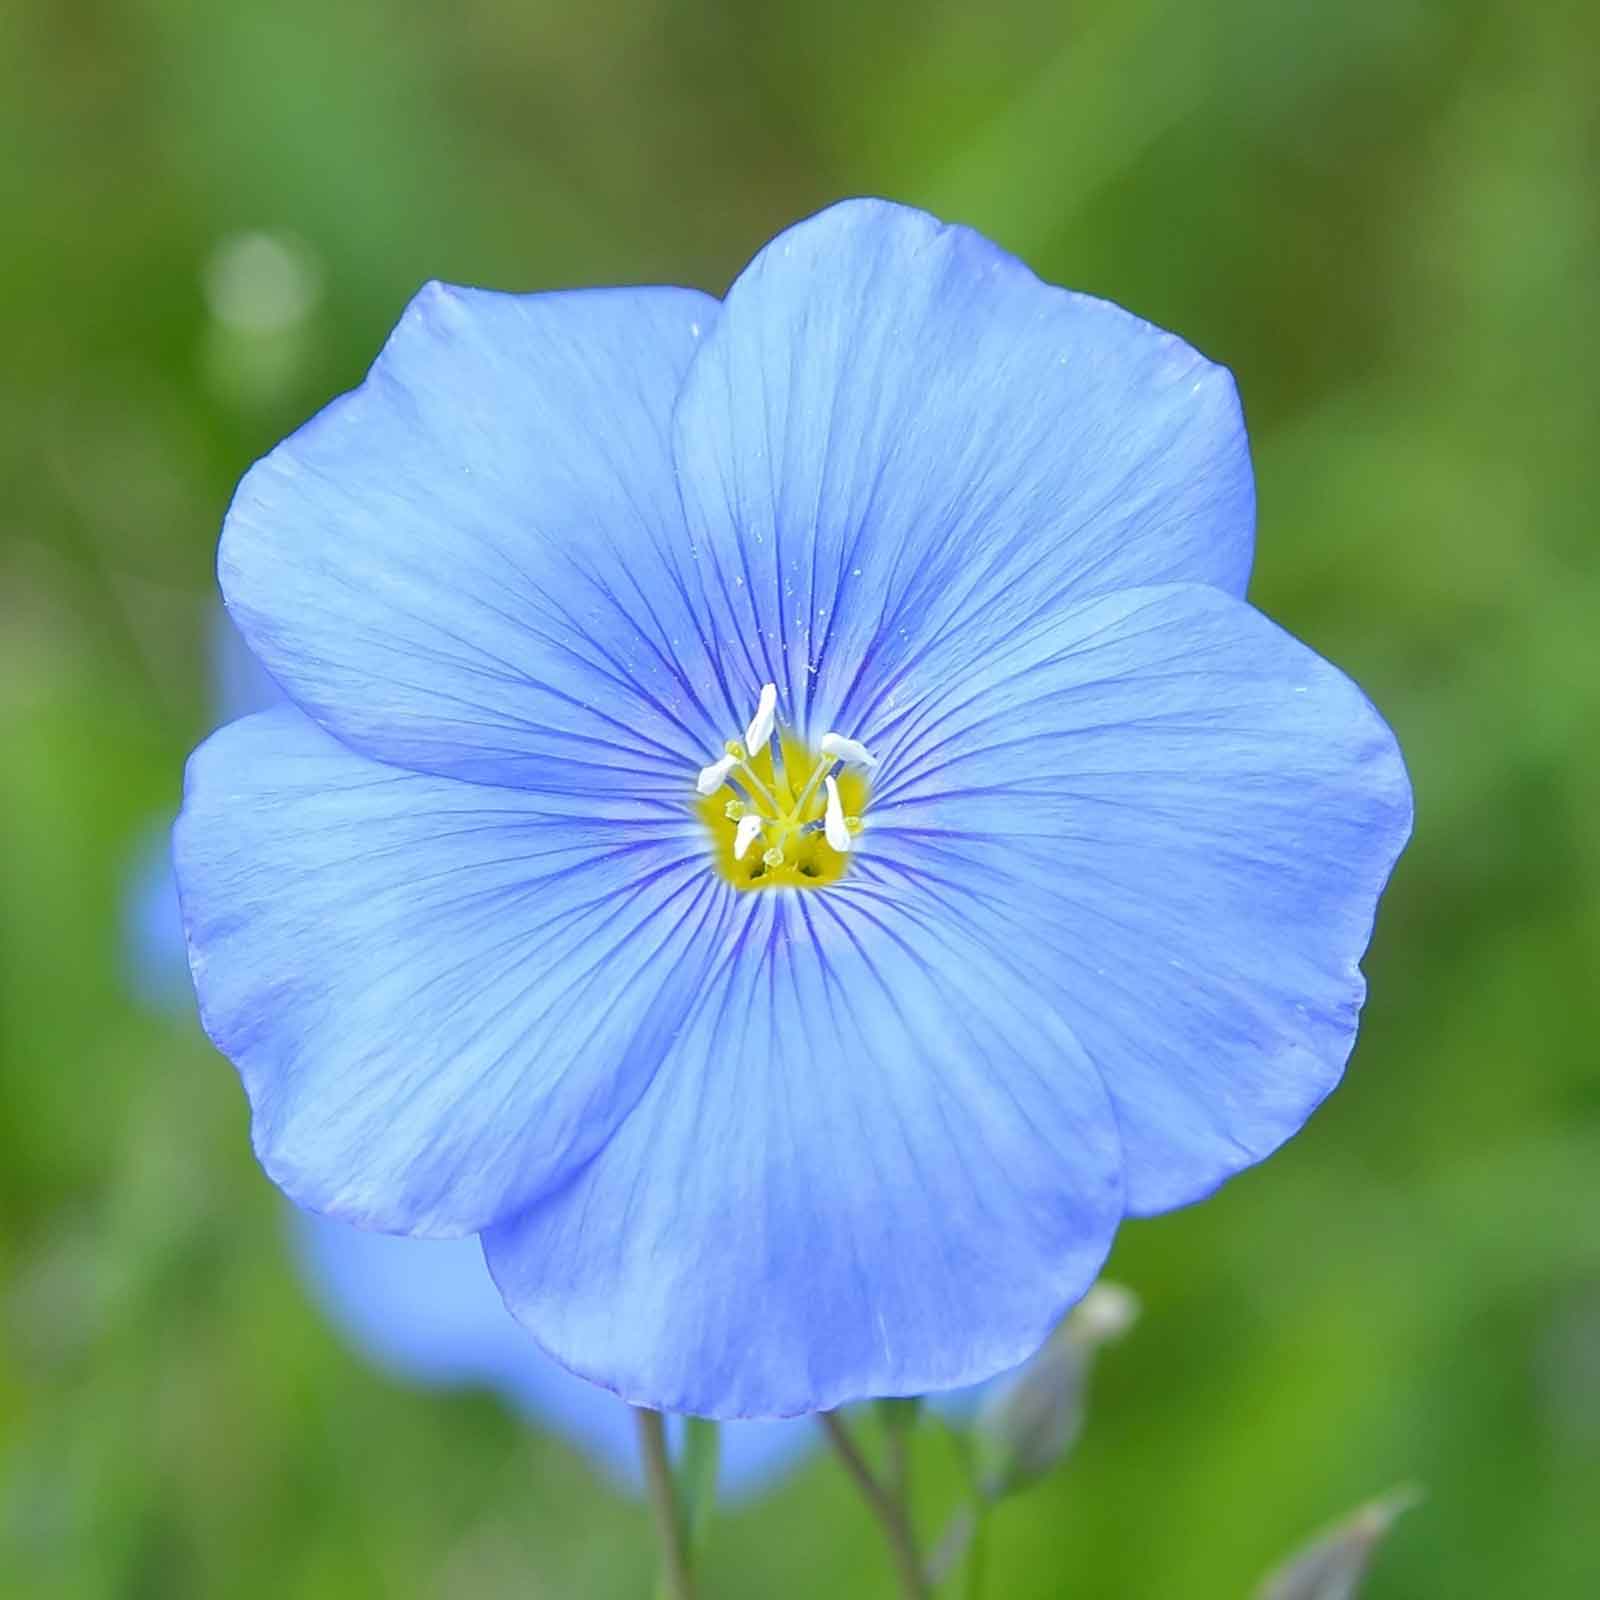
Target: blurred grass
{"x": 1382, "y": 216}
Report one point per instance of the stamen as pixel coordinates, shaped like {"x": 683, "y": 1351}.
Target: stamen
{"x": 768, "y": 812}
{"x": 761, "y": 724}
{"x": 833, "y": 823}
{"x": 843, "y": 749}
{"x": 745, "y": 835}
{"x": 713, "y": 777}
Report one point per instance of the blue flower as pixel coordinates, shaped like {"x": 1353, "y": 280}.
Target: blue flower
{"x": 536, "y": 914}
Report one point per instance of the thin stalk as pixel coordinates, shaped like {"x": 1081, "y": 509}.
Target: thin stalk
{"x": 748, "y": 777}
{"x": 780, "y": 774}
{"x": 953, "y": 1544}
{"x": 899, "y": 1473}
{"x": 824, "y": 766}
{"x": 977, "y": 1553}
{"x": 890, "y": 1513}
{"x": 677, "y": 1576}
{"x": 965, "y": 1540}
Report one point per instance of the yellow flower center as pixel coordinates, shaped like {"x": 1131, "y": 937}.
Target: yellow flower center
{"x": 783, "y": 817}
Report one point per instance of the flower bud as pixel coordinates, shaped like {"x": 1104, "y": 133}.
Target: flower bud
{"x": 1027, "y": 1426}
{"x": 1103, "y": 1315}
{"x": 1333, "y": 1566}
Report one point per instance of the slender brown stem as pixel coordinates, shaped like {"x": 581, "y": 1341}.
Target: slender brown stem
{"x": 677, "y": 1576}
{"x": 890, "y": 1513}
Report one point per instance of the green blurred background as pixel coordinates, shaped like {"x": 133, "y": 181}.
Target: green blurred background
{"x": 1382, "y": 216}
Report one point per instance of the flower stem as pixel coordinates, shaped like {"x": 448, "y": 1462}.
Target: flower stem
{"x": 977, "y": 1553}
{"x": 899, "y": 1473}
{"x": 890, "y": 1513}
{"x": 964, "y": 1541}
{"x": 677, "y": 1576}
{"x": 953, "y": 1544}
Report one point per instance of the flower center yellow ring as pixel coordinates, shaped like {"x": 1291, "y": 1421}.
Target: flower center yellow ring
{"x": 789, "y": 797}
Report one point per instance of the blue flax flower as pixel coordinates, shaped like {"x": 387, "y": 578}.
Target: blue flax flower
{"x": 786, "y": 825}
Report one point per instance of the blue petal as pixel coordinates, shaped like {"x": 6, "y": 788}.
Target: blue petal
{"x": 426, "y": 1310}
{"x": 1178, "y": 819}
{"x": 440, "y": 996}
{"x": 897, "y": 443}
{"x": 473, "y": 565}
{"x": 874, "y": 1162}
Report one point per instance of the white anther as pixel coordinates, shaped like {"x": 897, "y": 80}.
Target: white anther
{"x": 745, "y": 835}
{"x": 843, "y": 749}
{"x": 833, "y": 823}
{"x": 760, "y": 729}
{"x": 713, "y": 777}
